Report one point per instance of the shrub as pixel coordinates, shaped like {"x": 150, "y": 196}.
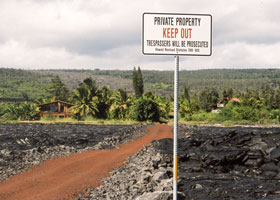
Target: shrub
{"x": 200, "y": 116}
{"x": 145, "y": 109}
{"x": 22, "y": 111}
{"x": 275, "y": 115}
{"x": 3, "y": 108}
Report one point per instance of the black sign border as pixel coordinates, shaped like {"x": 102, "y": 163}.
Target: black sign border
{"x": 211, "y": 35}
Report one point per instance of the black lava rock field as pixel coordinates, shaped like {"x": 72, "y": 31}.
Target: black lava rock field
{"x": 215, "y": 163}
{"x": 24, "y": 145}
{"x": 227, "y": 163}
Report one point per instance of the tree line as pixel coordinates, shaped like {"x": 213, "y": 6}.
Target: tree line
{"x": 100, "y": 102}
{"x": 31, "y": 85}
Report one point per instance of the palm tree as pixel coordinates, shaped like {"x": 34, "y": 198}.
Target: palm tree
{"x": 104, "y": 101}
{"x": 85, "y": 102}
{"x": 91, "y": 85}
{"x": 121, "y": 103}
{"x": 162, "y": 103}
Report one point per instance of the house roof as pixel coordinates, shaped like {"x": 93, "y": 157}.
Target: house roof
{"x": 235, "y": 99}
{"x": 57, "y": 101}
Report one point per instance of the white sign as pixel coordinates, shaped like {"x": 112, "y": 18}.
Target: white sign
{"x": 177, "y": 34}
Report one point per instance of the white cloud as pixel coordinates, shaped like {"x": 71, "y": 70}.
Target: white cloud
{"x": 107, "y": 33}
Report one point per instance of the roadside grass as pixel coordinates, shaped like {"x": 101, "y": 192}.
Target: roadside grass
{"x": 214, "y": 119}
{"x": 92, "y": 120}
{"x": 5, "y": 121}
{"x": 87, "y": 120}
{"x": 198, "y": 119}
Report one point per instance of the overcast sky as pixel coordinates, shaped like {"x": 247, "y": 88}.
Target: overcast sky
{"x": 106, "y": 34}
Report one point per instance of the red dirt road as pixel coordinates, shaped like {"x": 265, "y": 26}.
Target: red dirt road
{"x": 64, "y": 178}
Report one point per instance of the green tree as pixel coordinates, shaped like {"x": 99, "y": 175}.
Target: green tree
{"x": 121, "y": 104}
{"x": 58, "y": 89}
{"x": 163, "y": 104}
{"x": 208, "y": 99}
{"x": 186, "y": 94}
{"x": 137, "y": 81}
{"x": 140, "y": 82}
{"x": 227, "y": 95}
{"x": 85, "y": 99}
{"x": 145, "y": 109}
{"x": 91, "y": 86}
{"x": 276, "y": 100}
{"x": 187, "y": 106}
{"x": 104, "y": 102}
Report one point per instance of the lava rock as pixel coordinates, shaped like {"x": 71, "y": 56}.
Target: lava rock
{"x": 160, "y": 176}
{"x": 275, "y": 154}
{"x": 24, "y": 145}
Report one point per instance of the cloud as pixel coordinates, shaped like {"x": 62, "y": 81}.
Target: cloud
{"x": 250, "y": 22}
{"x": 237, "y": 55}
{"x": 107, "y": 34}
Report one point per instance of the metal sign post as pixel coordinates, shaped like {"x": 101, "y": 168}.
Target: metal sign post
{"x": 179, "y": 35}
{"x": 175, "y": 130}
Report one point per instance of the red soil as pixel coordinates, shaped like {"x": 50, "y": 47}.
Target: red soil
{"x": 64, "y": 178}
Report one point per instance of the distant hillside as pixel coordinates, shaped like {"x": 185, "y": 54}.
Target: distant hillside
{"x": 72, "y": 78}
{"x": 154, "y": 76}
{"x": 196, "y": 80}
{"x": 32, "y": 84}
{"x": 17, "y": 83}
{"x": 22, "y": 84}
{"x": 162, "y": 81}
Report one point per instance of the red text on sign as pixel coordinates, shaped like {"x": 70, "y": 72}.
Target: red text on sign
{"x": 173, "y": 32}
{"x": 186, "y": 33}
{"x": 170, "y": 32}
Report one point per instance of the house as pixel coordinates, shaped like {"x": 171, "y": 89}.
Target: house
{"x": 215, "y": 111}
{"x": 56, "y": 108}
{"x": 220, "y": 105}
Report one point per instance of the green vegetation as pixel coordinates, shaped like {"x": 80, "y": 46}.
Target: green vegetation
{"x": 161, "y": 82}
{"x": 248, "y": 96}
{"x": 57, "y": 89}
{"x": 121, "y": 102}
{"x": 137, "y": 81}
{"x": 33, "y": 84}
{"x": 85, "y": 99}
{"x": 22, "y": 84}
{"x": 208, "y": 99}
{"x": 261, "y": 106}
{"x": 19, "y": 111}
{"x": 102, "y": 103}
{"x": 145, "y": 109}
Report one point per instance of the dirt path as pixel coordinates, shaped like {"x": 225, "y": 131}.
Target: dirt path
{"x": 63, "y": 178}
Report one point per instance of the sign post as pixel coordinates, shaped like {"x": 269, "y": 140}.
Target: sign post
{"x": 178, "y": 35}
{"x": 175, "y": 129}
